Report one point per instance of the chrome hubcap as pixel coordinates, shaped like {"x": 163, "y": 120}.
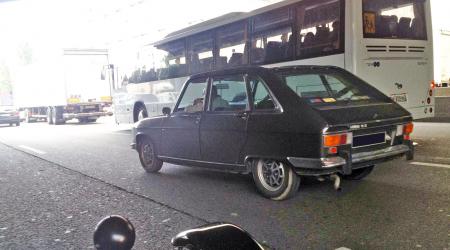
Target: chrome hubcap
{"x": 271, "y": 174}
{"x": 148, "y": 154}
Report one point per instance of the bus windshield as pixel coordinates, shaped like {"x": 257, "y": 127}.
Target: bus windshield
{"x": 329, "y": 87}
{"x": 394, "y": 19}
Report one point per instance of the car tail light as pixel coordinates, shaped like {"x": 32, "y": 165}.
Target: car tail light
{"x": 432, "y": 84}
{"x": 407, "y": 131}
{"x": 335, "y": 140}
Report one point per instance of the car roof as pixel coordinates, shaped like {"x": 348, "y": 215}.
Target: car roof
{"x": 259, "y": 69}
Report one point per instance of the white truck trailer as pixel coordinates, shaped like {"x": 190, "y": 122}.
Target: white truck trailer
{"x": 65, "y": 87}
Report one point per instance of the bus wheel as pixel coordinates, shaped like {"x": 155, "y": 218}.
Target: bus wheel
{"x": 140, "y": 113}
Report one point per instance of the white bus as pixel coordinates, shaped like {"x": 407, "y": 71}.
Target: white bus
{"x": 388, "y": 43}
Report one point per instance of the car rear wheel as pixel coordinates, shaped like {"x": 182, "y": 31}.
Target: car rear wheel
{"x": 274, "y": 179}
{"x": 18, "y": 124}
{"x": 148, "y": 156}
{"x": 359, "y": 174}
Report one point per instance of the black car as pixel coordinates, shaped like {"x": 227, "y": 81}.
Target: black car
{"x": 9, "y": 115}
{"x": 278, "y": 124}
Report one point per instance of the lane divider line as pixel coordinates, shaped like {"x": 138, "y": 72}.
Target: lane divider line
{"x": 32, "y": 149}
{"x": 426, "y": 164}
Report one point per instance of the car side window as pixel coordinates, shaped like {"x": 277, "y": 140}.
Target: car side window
{"x": 228, "y": 93}
{"x": 193, "y": 98}
{"x": 262, "y": 99}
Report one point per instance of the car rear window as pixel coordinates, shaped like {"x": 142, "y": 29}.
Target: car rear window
{"x": 328, "y": 87}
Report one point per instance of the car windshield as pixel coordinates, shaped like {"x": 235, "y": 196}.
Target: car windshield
{"x": 6, "y": 108}
{"x": 329, "y": 87}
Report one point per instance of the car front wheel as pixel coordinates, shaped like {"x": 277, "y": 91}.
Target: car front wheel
{"x": 274, "y": 179}
{"x": 148, "y": 157}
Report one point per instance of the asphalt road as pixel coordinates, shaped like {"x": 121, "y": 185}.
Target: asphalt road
{"x": 56, "y": 182}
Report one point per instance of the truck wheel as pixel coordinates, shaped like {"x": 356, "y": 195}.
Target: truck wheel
{"x": 148, "y": 156}
{"x": 91, "y": 120}
{"x": 274, "y": 179}
{"x": 56, "y": 115}
{"x": 359, "y": 174}
{"x": 18, "y": 124}
{"x": 50, "y": 116}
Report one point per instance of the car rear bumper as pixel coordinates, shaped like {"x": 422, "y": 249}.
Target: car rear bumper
{"x": 346, "y": 161}
{"x": 8, "y": 120}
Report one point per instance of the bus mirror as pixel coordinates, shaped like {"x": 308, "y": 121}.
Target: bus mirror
{"x": 166, "y": 111}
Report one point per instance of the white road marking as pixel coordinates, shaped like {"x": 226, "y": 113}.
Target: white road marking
{"x": 32, "y": 149}
{"x": 431, "y": 164}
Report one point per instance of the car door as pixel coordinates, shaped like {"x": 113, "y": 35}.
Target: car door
{"x": 224, "y": 124}
{"x": 180, "y": 131}
{"x": 265, "y": 127}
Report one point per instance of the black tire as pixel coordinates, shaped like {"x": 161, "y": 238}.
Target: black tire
{"x": 10, "y": 124}
{"x": 50, "y": 116}
{"x": 148, "y": 156}
{"x": 274, "y": 179}
{"x": 140, "y": 113}
{"x": 359, "y": 174}
{"x": 57, "y": 116}
{"x": 91, "y": 120}
{"x": 18, "y": 124}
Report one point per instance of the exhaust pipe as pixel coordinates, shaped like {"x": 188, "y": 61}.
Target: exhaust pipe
{"x": 334, "y": 178}
{"x": 337, "y": 182}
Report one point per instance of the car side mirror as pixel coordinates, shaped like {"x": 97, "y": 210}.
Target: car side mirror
{"x": 114, "y": 232}
{"x": 166, "y": 111}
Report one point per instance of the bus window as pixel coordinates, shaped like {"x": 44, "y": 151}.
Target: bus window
{"x": 320, "y": 29}
{"x": 231, "y": 43}
{"x": 169, "y": 61}
{"x": 272, "y": 39}
{"x": 271, "y": 19}
{"x": 271, "y": 46}
{"x": 201, "y": 53}
{"x": 392, "y": 19}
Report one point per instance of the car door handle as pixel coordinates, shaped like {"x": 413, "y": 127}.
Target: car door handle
{"x": 242, "y": 115}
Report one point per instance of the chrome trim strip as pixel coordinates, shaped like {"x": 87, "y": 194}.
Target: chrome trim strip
{"x": 318, "y": 164}
{"x": 205, "y": 162}
{"x": 386, "y": 152}
{"x": 374, "y": 121}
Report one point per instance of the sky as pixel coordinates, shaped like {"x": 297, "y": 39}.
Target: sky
{"x": 49, "y": 24}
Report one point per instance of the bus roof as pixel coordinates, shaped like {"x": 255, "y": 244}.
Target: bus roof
{"x": 220, "y": 21}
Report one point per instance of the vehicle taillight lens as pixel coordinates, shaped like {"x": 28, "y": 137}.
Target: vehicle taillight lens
{"x": 337, "y": 140}
{"x": 408, "y": 128}
{"x": 407, "y": 131}
{"x": 432, "y": 84}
